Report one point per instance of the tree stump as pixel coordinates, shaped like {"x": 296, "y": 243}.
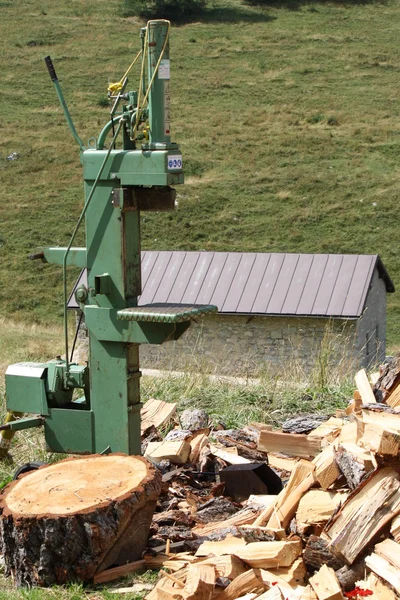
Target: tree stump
{"x": 75, "y": 518}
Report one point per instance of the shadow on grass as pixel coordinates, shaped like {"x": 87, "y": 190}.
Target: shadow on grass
{"x": 297, "y": 4}
{"x": 236, "y": 14}
{"x": 253, "y": 12}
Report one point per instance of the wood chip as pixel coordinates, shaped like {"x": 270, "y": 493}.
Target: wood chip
{"x": 176, "y": 452}
{"x": 200, "y": 582}
{"x": 294, "y": 575}
{"x": 292, "y": 444}
{"x": 326, "y": 469}
{"x": 389, "y": 550}
{"x": 157, "y": 413}
{"x": 263, "y": 555}
{"x": 326, "y": 585}
{"x": 316, "y": 508}
{"x": 364, "y": 387}
{"x": 382, "y": 567}
{"x": 229, "y": 457}
{"x": 327, "y": 431}
{"x": 301, "y": 479}
{"x": 248, "y": 582}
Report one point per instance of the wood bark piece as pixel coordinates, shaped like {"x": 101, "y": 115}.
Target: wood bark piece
{"x": 230, "y": 545}
{"x": 364, "y": 387}
{"x": 243, "y": 517}
{"x": 318, "y": 552}
{"x": 176, "y": 452}
{"x": 267, "y": 555}
{"x": 157, "y": 413}
{"x": 225, "y": 566}
{"x": 252, "y": 533}
{"x": 292, "y": 444}
{"x": 387, "y": 420}
{"x": 393, "y": 399}
{"x": 384, "y": 569}
{"x": 260, "y": 500}
{"x": 354, "y": 462}
{"x": 348, "y": 576}
{"x": 364, "y": 514}
{"x": 326, "y": 469}
{"x": 284, "y": 509}
{"x": 326, "y": 585}
{"x": 389, "y": 379}
{"x": 198, "y": 441}
{"x": 70, "y": 520}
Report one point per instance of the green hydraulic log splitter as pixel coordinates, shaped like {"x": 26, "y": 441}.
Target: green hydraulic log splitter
{"x": 119, "y": 183}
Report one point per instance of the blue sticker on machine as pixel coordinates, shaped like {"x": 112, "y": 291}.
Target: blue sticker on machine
{"x": 175, "y": 162}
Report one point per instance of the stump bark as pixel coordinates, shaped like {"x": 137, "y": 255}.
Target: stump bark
{"x": 75, "y": 518}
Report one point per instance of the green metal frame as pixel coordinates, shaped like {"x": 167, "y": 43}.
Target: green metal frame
{"x": 118, "y": 183}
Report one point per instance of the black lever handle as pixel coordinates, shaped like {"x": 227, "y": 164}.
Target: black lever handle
{"x": 50, "y": 67}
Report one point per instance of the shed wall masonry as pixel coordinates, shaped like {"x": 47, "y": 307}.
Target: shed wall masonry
{"x": 241, "y": 345}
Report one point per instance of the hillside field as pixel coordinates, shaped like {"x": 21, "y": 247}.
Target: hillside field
{"x": 287, "y": 113}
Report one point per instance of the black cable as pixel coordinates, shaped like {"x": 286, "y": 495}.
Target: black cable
{"x": 76, "y": 335}
{"x": 113, "y": 129}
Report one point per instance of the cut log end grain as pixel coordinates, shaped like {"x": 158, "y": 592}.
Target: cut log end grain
{"x": 75, "y": 518}
{"x": 74, "y": 486}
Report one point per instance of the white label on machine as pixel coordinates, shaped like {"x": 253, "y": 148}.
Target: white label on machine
{"x": 175, "y": 162}
{"x": 164, "y": 69}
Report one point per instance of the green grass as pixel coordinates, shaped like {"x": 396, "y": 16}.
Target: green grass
{"x": 287, "y": 114}
{"x": 269, "y": 401}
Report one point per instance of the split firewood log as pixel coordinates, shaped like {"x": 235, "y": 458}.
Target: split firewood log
{"x": 73, "y": 519}
{"x": 364, "y": 514}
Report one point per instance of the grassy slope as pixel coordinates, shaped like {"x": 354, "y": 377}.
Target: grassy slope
{"x": 288, "y": 121}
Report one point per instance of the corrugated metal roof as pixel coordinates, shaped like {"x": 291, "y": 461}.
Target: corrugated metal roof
{"x": 324, "y": 285}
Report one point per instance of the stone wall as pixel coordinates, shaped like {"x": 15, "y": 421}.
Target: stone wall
{"x": 242, "y": 345}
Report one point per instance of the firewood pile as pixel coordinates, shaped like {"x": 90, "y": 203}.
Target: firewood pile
{"x": 333, "y": 531}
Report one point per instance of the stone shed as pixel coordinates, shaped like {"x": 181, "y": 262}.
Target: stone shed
{"x": 274, "y": 309}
